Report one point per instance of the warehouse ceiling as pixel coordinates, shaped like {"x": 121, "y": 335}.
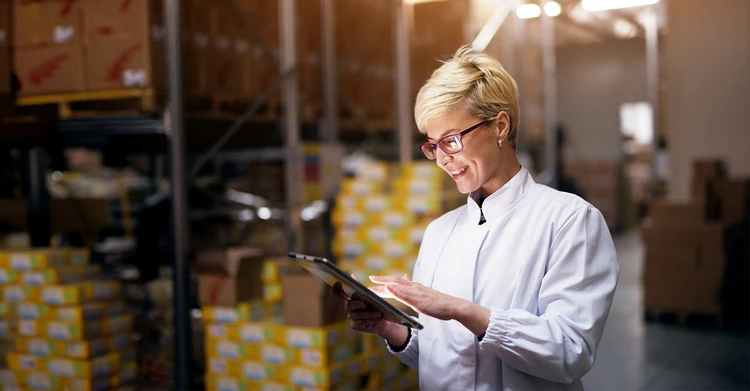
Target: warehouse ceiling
{"x": 574, "y": 25}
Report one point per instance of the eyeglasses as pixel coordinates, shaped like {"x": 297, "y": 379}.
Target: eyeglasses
{"x": 450, "y": 144}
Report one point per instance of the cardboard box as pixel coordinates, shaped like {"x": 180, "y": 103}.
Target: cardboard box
{"x": 47, "y": 22}
{"x": 732, "y": 198}
{"x": 49, "y": 69}
{"x": 124, "y": 44}
{"x": 309, "y": 303}
{"x": 229, "y": 277}
{"x": 5, "y": 46}
{"x": 677, "y": 212}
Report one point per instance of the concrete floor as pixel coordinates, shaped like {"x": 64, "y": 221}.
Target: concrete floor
{"x": 646, "y": 355}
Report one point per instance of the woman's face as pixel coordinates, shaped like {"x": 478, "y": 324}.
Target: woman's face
{"x": 477, "y": 165}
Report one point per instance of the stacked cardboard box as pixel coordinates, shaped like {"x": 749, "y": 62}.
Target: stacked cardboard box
{"x": 71, "y": 46}
{"x": 379, "y": 228}
{"x": 691, "y": 246}
{"x": 600, "y": 183}
{"x": 69, "y": 330}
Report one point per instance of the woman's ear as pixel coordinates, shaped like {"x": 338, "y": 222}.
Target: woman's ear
{"x": 503, "y": 125}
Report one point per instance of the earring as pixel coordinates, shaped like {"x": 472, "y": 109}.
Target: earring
{"x": 500, "y": 143}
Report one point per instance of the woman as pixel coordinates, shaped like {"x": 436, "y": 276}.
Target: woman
{"x": 514, "y": 288}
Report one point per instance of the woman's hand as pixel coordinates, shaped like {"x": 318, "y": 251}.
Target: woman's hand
{"x": 417, "y": 296}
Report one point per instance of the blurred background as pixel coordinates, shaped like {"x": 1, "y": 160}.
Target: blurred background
{"x": 159, "y": 158}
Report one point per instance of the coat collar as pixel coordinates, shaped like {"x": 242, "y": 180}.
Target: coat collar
{"x": 501, "y": 200}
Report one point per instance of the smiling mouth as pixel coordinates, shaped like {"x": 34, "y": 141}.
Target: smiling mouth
{"x": 458, "y": 171}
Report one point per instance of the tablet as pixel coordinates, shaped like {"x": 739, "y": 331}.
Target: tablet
{"x": 349, "y": 287}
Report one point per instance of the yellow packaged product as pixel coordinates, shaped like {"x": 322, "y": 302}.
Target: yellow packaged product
{"x": 87, "y": 312}
{"x": 77, "y": 256}
{"x": 21, "y": 293}
{"x": 9, "y": 276}
{"x": 40, "y": 347}
{"x": 245, "y": 312}
{"x": 62, "y": 275}
{"x": 59, "y": 330}
{"x": 315, "y": 337}
{"x": 349, "y": 202}
{"x": 38, "y": 380}
{"x": 97, "y": 367}
{"x": 33, "y": 311}
{"x": 359, "y": 187}
{"x": 323, "y": 357}
{"x": 274, "y": 268}
{"x": 81, "y": 293}
{"x": 31, "y": 260}
{"x": 276, "y": 354}
{"x": 31, "y": 328}
{"x": 272, "y": 291}
{"x": 345, "y": 218}
{"x": 25, "y": 362}
{"x": 234, "y": 350}
{"x": 222, "y": 366}
{"x": 326, "y": 378}
{"x": 258, "y": 371}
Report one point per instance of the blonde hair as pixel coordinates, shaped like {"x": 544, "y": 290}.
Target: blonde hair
{"x": 474, "y": 82}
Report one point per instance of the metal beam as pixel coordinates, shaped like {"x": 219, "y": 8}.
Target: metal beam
{"x": 403, "y": 22}
{"x": 180, "y": 222}
{"x": 550, "y": 96}
{"x": 36, "y": 191}
{"x": 293, "y": 167}
{"x": 330, "y": 87}
{"x": 651, "y": 26}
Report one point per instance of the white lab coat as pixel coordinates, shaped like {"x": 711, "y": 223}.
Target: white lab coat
{"x": 543, "y": 263}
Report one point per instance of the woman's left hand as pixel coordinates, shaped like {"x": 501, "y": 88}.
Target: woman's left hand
{"x": 417, "y": 296}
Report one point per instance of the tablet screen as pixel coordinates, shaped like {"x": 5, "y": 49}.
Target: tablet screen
{"x": 348, "y": 288}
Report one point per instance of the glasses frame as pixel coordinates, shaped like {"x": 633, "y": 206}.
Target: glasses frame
{"x": 460, "y": 135}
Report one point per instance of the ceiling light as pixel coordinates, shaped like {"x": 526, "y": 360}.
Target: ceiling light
{"x": 603, "y": 5}
{"x": 552, "y": 8}
{"x": 528, "y": 11}
{"x": 624, "y": 29}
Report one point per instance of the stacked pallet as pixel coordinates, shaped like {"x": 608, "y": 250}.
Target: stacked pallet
{"x": 692, "y": 247}
{"x": 69, "y": 330}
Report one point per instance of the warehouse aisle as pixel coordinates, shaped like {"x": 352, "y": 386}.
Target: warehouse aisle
{"x": 638, "y": 355}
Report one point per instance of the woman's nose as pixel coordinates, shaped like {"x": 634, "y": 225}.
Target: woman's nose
{"x": 441, "y": 157}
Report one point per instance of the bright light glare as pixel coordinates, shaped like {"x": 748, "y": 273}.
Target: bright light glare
{"x": 264, "y": 213}
{"x": 603, "y": 5}
{"x": 625, "y": 29}
{"x": 552, "y": 8}
{"x": 528, "y": 11}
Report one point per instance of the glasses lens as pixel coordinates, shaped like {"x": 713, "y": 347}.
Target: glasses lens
{"x": 428, "y": 150}
{"x": 451, "y": 144}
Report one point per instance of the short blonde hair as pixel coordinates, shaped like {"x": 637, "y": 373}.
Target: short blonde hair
{"x": 474, "y": 82}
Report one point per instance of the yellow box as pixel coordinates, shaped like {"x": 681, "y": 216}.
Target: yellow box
{"x": 349, "y": 202}
{"x": 272, "y": 291}
{"x": 245, "y": 312}
{"x": 100, "y": 366}
{"x": 394, "y": 219}
{"x": 77, "y": 256}
{"x": 324, "y": 356}
{"x": 222, "y": 367}
{"x": 233, "y": 350}
{"x": 31, "y": 328}
{"x": 344, "y": 218}
{"x": 32, "y": 311}
{"x": 59, "y": 330}
{"x": 274, "y": 268}
{"x": 326, "y": 378}
{"x": 359, "y": 187}
{"x": 5, "y": 310}
{"x": 417, "y": 186}
{"x": 62, "y": 275}
{"x": 258, "y": 371}
{"x": 9, "y": 276}
{"x": 315, "y": 337}
{"x": 74, "y": 294}
{"x": 87, "y": 312}
{"x": 247, "y": 332}
{"x": 42, "y": 381}
{"x": 40, "y": 347}
{"x": 71, "y": 349}
{"x": 276, "y": 354}
{"x": 25, "y": 362}
{"x": 31, "y": 260}
{"x": 273, "y": 332}
{"x": 21, "y": 293}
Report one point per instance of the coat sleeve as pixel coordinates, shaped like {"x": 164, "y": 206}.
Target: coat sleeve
{"x": 559, "y": 342}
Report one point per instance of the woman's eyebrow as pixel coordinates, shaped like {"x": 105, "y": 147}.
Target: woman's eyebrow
{"x": 441, "y": 135}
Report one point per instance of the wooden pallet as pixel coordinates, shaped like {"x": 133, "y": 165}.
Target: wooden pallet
{"x": 98, "y": 103}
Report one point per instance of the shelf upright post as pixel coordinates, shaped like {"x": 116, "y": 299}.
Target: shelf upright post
{"x": 183, "y": 352}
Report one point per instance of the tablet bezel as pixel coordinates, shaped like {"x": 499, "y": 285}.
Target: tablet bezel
{"x": 390, "y": 312}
